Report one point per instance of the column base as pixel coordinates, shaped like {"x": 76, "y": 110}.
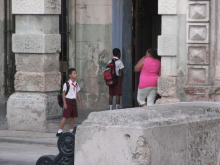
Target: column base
{"x": 30, "y": 111}
{"x": 167, "y": 100}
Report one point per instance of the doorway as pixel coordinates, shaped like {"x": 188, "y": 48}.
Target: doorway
{"x": 64, "y": 32}
{"x": 146, "y": 28}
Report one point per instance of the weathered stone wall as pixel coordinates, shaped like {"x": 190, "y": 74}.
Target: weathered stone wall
{"x": 203, "y": 51}
{"x": 90, "y": 48}
{"x": 189, "y": 49}
{"x": 171, "y": 134}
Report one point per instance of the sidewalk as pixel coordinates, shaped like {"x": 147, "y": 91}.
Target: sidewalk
{"x": 24, "y": 147}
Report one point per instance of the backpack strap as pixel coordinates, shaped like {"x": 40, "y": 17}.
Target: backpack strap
{"x": 68, "y": 87}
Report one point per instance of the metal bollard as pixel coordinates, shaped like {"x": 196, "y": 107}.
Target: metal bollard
{"x": 66, "y": 145}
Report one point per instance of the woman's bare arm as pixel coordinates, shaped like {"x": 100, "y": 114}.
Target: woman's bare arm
{"x": 139, "y": 65}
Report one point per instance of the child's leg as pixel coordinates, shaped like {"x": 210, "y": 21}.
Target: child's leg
{"x": 71, "y": 123}
{"x": 117, "y": 99}
{"x": 111, "y": 95}
{"x": 110, "y": 100}
{"x": 117, "y": 102}
{"x": 63, "y": 122}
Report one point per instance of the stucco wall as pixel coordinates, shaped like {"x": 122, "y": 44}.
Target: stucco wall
{"x": 90, "y": 48}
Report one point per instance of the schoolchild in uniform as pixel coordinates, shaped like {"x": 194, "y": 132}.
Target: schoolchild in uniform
{"x": 116, "y": 89}
{"x": 69, "y": 100}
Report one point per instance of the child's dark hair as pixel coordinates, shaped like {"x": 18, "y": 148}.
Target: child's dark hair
{"x": 116, "y": 51}
{"x": 153, "y": 53}
{"x": 71, "y": 70}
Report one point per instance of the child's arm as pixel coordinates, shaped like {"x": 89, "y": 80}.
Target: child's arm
{"x": 64, "y": 100}
{"x": 79, "y": 99}
{"x": 121, "y": 72}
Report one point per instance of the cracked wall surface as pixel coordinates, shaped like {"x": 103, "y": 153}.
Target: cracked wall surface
{"x": 90, "y": 49}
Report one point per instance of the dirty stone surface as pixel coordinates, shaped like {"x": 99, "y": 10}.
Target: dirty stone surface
{"x": 169, "y": 134}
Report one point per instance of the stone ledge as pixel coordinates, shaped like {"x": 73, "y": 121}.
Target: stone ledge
{"x": 181, "y": 133}
{"x": 36, "y": 6}
{"x": 166, "y": 114}
{"x": 36, "y": 43}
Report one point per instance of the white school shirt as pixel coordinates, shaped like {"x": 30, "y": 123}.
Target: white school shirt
{"x": 118, "y": 65}
{"x": 72, "y": 93}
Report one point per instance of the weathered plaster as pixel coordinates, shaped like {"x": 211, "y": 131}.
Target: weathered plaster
{"x": 89, "y": 13}
{"x": 91, "y": 49}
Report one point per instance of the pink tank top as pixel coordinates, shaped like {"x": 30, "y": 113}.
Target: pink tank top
{"x": 149, "y": 73}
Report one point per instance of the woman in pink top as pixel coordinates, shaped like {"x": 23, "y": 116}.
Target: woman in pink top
{"x": 149, "y": 68}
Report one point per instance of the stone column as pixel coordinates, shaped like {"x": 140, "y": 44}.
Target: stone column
{"x": 167, "y": 48}
{"x": 36, "y": 43}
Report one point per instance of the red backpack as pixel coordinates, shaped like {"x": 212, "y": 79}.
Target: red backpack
{"x": 109, "y": 74}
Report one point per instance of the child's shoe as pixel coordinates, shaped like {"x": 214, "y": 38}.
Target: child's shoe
{"x": 58, "y": 134}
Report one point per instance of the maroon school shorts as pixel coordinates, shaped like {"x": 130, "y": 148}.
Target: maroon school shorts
{"x": 71, "y": 110}
{"x": 116, "y": 89}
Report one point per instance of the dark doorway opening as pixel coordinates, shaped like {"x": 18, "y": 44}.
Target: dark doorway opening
{"x": 64, "y": 32}
{"x": 146, "y": 28}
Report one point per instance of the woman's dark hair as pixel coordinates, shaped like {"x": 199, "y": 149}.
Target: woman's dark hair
{"x": 71, "y": 70}
{"x": 116, "y": 51}
{"x": 153, "y": 53}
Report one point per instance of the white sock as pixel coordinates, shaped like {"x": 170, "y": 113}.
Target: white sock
{"x": 110, "y": 107}
{"x": 71, "y": 130}
{"x": 117, "y": 106}
{"x": 60, "y": 130}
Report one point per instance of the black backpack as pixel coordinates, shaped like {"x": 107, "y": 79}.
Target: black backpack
{"x": 109, "y": 74}
{"x": 59, "y": 95}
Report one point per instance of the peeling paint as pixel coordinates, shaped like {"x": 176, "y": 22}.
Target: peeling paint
{"x": 102, "y": 65}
